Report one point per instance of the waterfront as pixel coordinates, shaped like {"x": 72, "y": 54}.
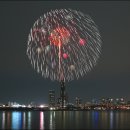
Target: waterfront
{"x": 64, "y": 120}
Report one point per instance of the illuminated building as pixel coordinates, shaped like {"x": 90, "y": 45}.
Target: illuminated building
{"x": 120, "y": 101}
{"x": 51, "y": 98}
{"x": 78, "y": 102}
{"x": 58, "y": 102}
{"x": 63, "y": 96}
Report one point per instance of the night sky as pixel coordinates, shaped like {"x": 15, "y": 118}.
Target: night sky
{"x": 111, "y": 76}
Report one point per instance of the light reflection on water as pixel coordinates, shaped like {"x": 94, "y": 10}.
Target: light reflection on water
{"x": 29, "y": 120}
{"x": 64, "y": 120}
{"x": 8, "y": 120}
{"x": 111, "y": 119}
{"x": 3, "y": 120}
{"x": 24, "y": 120}
{"x": 52, "y": 120}
{"x": 41, "y": 121}
{"x": 16, "y": 120}
{"x": 95, "y": 116}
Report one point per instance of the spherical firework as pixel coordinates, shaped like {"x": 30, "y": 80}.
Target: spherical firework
{"x": 64, "y": 44}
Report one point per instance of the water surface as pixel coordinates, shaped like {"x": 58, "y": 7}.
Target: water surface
{"x": 64, "y": 120}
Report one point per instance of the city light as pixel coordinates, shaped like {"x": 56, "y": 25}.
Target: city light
{"x": 41, "y": 106}
{"x": 52, "y": 108}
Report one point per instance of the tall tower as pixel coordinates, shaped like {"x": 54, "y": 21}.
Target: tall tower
{"x": 62, "y": 93}
{"x": 51, "y": 98}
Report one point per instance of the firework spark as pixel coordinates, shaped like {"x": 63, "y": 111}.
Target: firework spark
{"x": 64, "y": 44}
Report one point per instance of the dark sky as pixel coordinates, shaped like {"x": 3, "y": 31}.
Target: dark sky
{"x": 110, "y": 78}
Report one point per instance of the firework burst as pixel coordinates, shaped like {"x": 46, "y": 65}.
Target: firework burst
{"x": 64, "y": 44}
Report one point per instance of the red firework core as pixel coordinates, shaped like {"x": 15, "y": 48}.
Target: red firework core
{"x": 59, "y": 36}
{"x": 65, "y": 56}
{"x": 82, "y": 41}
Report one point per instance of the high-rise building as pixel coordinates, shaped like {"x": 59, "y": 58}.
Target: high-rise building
{"x": 63, "y": 96}
{"x": 78, "y": 102}
{"x": 51, "y": 98}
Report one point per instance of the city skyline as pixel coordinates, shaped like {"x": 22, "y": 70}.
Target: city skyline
{"x": 56, "y": 101}
{"x": 109, "y": 78}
